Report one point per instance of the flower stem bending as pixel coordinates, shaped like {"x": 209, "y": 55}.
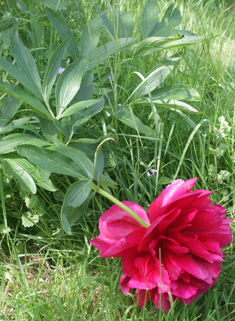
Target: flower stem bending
{"x": 120, "y": 204}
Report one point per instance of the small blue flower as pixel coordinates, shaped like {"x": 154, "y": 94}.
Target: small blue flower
{"x": 110, "y": 77}
{"x": 151, "y": 172}
{"x": 60, "y": 70}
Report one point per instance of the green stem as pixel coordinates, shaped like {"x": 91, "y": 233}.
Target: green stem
{"x": 117, "y": 202}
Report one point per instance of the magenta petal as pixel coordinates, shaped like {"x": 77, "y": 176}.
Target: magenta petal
{"x": 142, "y": 296}
{"x": 123, "y": 284}
{"x": 172, "y": 191}
{"x": 116, "y": 223}
{"x": 182, "y": 289}
{"x": 161, "y": 301}
{"x": 126, "y": 244}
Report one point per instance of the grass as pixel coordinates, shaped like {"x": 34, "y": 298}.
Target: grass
{"x": 46, "y": 278}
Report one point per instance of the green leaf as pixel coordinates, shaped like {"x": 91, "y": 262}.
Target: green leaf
{"x": 10, "y": 142}
{"x": 176, "y": 92}
{"x": 90, "y": 36}
{"x": 4, "y": 230}
{"x": 69, "y": 83}
{"x": 173, "y": 104}
{"x": 155, "y": 44}
{"x": 8, "y": 109}
{"x": 127, "y": 117}
{"x": 52, "y": 68}
{"x": 70, "y": 215}
{"x": 77, "y": 193}
{"x": 149, "y": 18}
{"x": 21, "y": 76}
{"x": 22, "y": 163}
{"x": 55, "y": 4}
{"x": 171, "y": 19}
{"x": 99, "y": 163}
{"x": 64, "y": 32}
{"x": 150, "y": 44}
{"x": 23, "y": 177}
{"x": 84, "y": 116}
{"x": 48, "y": 128}
{"x": 80, "y": 106}
{"x": 107, "y": 22}
{"x": 29, "y": 219}
{"x": 50, "y": 161}
{"x": 99, "y": 159}
{"x": 25, "y": 61}
{"x": 85, "y": 91}
{"x": 127, "y": 24}
{"x": 107, "y": 50}
{"x": 82, "y": 162}
{"x": 153, "y": 80}
{"x": 20, "y": 94}
{"x": 77, "y": 212}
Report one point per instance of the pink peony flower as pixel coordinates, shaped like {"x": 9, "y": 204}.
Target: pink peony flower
{"x": 180, "y": 251}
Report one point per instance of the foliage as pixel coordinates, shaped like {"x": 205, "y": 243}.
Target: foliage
{"x": 134, "y": 78}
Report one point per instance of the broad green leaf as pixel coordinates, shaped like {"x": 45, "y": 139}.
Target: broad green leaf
{"x": 10, "y": 142}
{"x": 90, "y": 112}
{"x": 23, "y": 177}
{"x": 29, "y": 219}
{"x": 150, "y": 44}
{"x": 70, "y": 215}
{"x": 171, "y": 19}
{"x": 55, "y": 4}
{"x": 50, "y": 161}
{"x": 64, "y": 32}
{"x": 82, "y": 162}
{"x": 77, "y": 212}
{"x": 149, "y": 18}
{"x": 107, "y": 22}
{"x": 90, "y": 36}
{"x": 52, "y": 68}
{"x": 99, "y": 159}
{"x": 40, "y": 180}
{"x": 21, "y": 76}
{"x": 107, "y": 50}
{"x": 48, "y": 128}
{"x": 69, "y": 83}
{"x": 8, "y": 109}
{"x": 25, "y": 97}
{"x": 147, "y": 46}
{"x": 85, "y": 91}
{"x": 62, "y": 127}
{"x": 81, "y": 105}
{"x": 129, "y": 119}
{"x": 173, "y": 104}
{"x": 99, "y": 163}
{"x": 127, "y": 24}
{"x": 25, "y": 61}
{"x": 107, "y": 181}
{"x": 152, "y": 81}
{"x": 77, "y": 193}
{"x": 176, "y": 92}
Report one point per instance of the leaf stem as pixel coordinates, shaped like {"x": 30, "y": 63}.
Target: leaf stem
{"x": 120, "y": 204}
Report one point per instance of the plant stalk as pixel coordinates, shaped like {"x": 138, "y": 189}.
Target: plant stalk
{"x": 120, "y": 204}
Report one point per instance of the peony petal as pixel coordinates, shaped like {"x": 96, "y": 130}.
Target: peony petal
{"x": 126, "y": 244}
{"x": 123, "y": 284}
{"x": 116, "y": 223}
{"x": 128, "y": 263}
{"x": 152, "y": 273}
{"x": 182, "y": 289}
{"x": 153, "y": 230}
{"x": 190, "y": 265}
{"x": 161, "y": 301}
{"x": 172, "y": 192}
{"x": 142, "y": 296}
